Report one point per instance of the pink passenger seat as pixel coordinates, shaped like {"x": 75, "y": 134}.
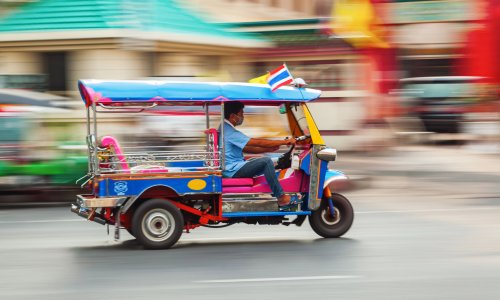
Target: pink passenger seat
{"x": 112, "y": 143}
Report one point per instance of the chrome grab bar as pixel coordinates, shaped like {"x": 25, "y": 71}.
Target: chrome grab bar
{"x": 130, "y": 108}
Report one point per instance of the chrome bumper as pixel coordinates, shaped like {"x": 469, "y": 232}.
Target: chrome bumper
{"x": 90, "y": 201}
{"x": 86, "y": 206}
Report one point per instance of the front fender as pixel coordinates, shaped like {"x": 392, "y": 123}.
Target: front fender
{"x": 336, "y": 180}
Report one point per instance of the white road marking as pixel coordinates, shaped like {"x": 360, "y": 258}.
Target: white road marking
{"x": 41, "y": 221}
{"x": 247, "y": 238}
{"x": 424, "y": 210}
{"x": 279, "y": 279}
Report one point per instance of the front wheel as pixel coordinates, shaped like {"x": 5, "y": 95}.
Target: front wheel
{"x": 157, "y": 224}
{"x": 328, "y": 226}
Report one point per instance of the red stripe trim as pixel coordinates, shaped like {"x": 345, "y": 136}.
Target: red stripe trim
{"x": 285, "y": 52}
{"x": 332, "y": 100}
{"x": 337, "y": 132}
{"x": 197, "y": 212}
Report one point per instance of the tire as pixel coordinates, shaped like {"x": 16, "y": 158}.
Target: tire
{"x": 324, "y": 225}
{"x": 157, "y": 224}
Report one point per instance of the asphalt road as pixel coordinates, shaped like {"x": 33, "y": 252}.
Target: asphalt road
{"x": 428, "y": 233}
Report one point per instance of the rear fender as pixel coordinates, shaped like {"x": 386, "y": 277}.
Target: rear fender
{"x": 157, "y": 191}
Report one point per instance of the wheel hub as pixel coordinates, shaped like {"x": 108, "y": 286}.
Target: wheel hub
{"x": 157, "y": 225}
{"x": 327, "y": 218}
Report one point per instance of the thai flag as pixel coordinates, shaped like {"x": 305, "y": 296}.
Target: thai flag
{"x": 279, "y": 77}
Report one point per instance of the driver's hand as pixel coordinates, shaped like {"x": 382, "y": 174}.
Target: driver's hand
{"x": 291, "y": 141}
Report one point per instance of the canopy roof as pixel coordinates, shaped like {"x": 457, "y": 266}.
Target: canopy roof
{"x": 187, "y": 93}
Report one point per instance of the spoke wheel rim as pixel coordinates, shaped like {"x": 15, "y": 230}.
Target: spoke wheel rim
{"x": 158, "y": 225}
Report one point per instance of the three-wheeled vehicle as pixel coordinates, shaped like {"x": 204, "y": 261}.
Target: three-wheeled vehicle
{"x": 157, "y": 194}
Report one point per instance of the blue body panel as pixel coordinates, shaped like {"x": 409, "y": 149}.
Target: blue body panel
{"x": 188, "y": 93}
{"x": 305, "y": 164}
{"x": 181, "y": 185}
{"x": 322, "y": 172}
{"x": 264, "y": 214}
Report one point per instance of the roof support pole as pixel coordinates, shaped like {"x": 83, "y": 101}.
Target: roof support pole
{"x": 221, "y": 148}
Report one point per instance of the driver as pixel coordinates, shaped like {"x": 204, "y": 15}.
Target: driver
{"x": 236, "y": 142}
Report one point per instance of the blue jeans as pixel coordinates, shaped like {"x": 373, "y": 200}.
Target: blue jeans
{"x": 259, "y": 166}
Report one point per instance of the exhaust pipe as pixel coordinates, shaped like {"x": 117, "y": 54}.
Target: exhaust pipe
{"x": 99, "y": 220}
{"x": 85, "y": 213}
{"x": 74, "y": 208}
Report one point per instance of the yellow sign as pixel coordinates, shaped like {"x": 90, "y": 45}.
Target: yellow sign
{"x": 197, "y": 184}
{"x": 356, "y": 22}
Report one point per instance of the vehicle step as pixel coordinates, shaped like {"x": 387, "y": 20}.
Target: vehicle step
{"x": 249, "y": 205}
{"x": 247, "y": 197}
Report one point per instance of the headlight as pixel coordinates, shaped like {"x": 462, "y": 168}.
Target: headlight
{"x": 327, "y": 154}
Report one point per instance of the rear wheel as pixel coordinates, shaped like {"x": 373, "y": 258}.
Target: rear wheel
{"x": 157, "y": 224}
{"x": 328, "y": 226}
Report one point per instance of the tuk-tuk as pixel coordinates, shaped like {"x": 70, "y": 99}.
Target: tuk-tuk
{"x": 157, "y": 193}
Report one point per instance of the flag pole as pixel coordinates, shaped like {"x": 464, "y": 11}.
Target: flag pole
{"x": 300, "y": 90}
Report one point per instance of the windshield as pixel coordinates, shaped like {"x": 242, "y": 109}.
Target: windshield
{"x": 300, "y": 117}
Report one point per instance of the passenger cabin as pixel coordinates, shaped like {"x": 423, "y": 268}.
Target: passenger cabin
{"x": 108, "y": 156}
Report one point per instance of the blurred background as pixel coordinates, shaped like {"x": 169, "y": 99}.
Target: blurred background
{"x": 410, "y": 98}
{"x": 392, "y": 73}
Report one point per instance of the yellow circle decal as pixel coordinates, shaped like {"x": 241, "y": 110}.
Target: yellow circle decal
{"x": 197, "y": 184}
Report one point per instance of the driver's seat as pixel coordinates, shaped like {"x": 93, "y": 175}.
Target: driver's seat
{"x": 213, "y": 144}
{"x": 237, "y": 182}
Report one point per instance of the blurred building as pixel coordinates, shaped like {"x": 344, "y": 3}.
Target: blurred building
{"x": 53, "y": 43}
{"x": 69, "y": 40}
{"x": 450, "y": 38}
{"x": 429, "y": 35}
{"x": 50, "y": 44}
{"x": 410, "y": 38}
{"x": 260, "y": 10}
{"x": 56, "y": 43}
{"x": 325, "y": 63}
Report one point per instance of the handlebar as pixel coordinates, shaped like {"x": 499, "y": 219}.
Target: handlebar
{"x": 301, "y": 138}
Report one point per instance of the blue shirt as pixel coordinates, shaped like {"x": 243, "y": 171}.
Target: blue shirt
{"x": 234, "y": 142}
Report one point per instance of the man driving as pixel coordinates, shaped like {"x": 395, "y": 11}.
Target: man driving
{"x": 236, "y": 142}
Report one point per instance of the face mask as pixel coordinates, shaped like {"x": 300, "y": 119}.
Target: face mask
{"x": 240, "y": 120}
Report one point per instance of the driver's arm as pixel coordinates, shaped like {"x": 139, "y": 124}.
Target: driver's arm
{"x": 265, "y": 143}
{"x": 258, "y": 150}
